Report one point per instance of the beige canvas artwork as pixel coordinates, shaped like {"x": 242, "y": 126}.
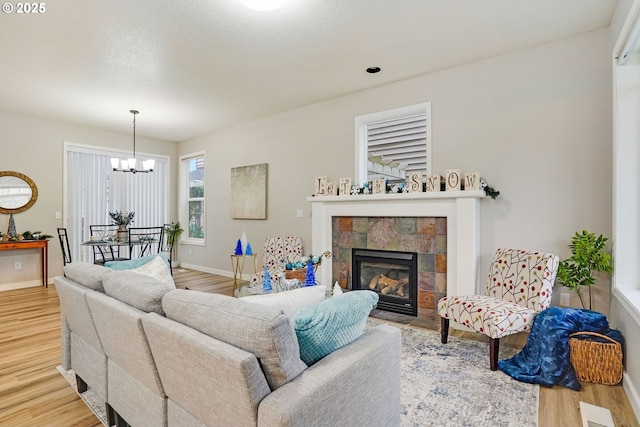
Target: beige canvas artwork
{"x": 249, "y": 192}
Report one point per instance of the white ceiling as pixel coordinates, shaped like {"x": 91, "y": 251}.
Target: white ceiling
{"x": 194, "y": 66}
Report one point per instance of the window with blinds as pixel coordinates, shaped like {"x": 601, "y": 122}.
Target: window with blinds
{"x": 393, "y": 143}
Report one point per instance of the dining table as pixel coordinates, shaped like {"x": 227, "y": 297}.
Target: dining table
{"x": 110, "y": 242}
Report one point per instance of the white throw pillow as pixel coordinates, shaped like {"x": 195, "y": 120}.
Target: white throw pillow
{"x": 158, "y": 269}
{"x": 291, "y": 301}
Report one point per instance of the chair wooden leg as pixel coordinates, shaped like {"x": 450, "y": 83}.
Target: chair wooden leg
{"x": 494, "y": 349}
{"x": 444, "y": 330}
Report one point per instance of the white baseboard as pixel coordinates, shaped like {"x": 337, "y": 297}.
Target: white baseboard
{"x": 632, "y": 394}
{"x": 208, "y": 270}
{"x": 20, "y": 285}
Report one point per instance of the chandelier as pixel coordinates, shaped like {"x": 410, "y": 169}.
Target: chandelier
{"x": 129, "y": 165}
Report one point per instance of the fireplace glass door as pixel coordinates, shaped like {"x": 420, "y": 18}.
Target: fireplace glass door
{"x": 391, "y": 274}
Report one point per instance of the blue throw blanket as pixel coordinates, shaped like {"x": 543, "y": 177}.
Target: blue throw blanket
{"x": 545, "y": 358}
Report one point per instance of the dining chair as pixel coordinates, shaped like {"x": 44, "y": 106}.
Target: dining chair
{"x": 64, "y": 245}
{"x": 102, "y": 254}
{"x": 145, "y": 241}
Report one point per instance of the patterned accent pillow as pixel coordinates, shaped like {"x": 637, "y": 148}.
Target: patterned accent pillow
{"x": 334, "y": 323}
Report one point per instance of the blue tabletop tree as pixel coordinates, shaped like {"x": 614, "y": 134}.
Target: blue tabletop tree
{"x": 266, "y": 282}
{"x": 248, "y": 251}
{"x": 238, "y": 250}
{"x": 310, "y": 279}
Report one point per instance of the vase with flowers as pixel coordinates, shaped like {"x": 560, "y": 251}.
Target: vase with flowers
{"x": 122, "y": 220}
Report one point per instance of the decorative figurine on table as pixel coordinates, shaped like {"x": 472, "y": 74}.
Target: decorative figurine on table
{"x": 248, "y": 251}
{"x": 238, "y": 250}
{"x": 266, "y": 282}
{"x": 310, "y": 279}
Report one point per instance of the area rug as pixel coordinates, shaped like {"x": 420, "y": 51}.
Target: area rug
{"x": 88, "y": 396}
{"x": 442, "y": 384}
{"x": 451, "y": 384}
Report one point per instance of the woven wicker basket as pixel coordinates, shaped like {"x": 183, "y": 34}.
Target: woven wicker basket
{"x": 300, "y": 273}
{"x": 595, "y": 361}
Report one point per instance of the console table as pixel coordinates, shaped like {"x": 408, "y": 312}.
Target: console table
{"x": 32, "y": 244}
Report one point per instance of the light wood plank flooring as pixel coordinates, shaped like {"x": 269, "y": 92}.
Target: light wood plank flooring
{"x": 33, "y": 394}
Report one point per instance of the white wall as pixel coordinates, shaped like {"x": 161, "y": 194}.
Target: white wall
{"x": 536, "y": 123}
{"x": 34, "y": 147}
{"x": 624, "y": 316}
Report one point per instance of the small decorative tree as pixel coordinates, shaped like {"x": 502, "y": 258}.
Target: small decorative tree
{"x": 310, "y": 278}
{"x": 266, "y": 282}
{"x": 588, "y": 257}
{"x": 238, "y": 250}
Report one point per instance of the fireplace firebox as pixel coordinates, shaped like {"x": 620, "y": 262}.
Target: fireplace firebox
{"x": 393, "y": 275}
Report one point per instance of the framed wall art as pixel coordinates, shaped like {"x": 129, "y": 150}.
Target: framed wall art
{"x": 249, "y": 192}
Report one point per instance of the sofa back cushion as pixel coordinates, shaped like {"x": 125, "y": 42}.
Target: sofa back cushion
{"x": 138, "y": 290}
{"x": 87, "y": 275}
{"x": 263, "y": 331}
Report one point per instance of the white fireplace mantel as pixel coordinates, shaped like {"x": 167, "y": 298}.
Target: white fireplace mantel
{"x": 461, "y": 208}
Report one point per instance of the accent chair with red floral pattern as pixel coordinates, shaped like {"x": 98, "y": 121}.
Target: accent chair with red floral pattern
{"x": 519, "y": 286}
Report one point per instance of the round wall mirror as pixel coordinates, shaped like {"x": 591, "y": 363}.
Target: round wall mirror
{"x": 17, "y": 192}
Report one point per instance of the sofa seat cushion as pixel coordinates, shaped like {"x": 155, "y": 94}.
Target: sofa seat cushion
{"x": 263, "y": 331}
{"x": 138, "y": 290}
{"x": 88, "y": 275}
{"x": 289, "y": 302}
{"x": 494, "y": 317}
{"x": 325, "y": 327}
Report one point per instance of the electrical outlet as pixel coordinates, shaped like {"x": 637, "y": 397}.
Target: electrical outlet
{"x": 18, "y": 265}
{"x": 565, "y": 300}
{"x": 58, "y": 215}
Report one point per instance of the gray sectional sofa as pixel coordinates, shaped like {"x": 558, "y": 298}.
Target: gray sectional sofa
{"x": 159, "y": 356}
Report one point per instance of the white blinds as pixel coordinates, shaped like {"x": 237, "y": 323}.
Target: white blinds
{"x": 402, "y": 141}
{"x": 93, "y": 189}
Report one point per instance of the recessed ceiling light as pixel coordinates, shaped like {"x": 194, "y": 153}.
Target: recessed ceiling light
{"x": 262, "y": 4}
{"x": 373, "y": 70}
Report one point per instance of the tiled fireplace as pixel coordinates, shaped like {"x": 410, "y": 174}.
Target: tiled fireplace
{"x": 426, "y": 237}
{"x": 442, "y": 228}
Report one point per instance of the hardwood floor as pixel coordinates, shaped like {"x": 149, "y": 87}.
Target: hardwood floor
{"x": 33, "y": 394}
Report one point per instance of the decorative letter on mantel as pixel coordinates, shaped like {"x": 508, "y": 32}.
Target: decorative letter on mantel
{"x": 345, "y": 187}
{"x": 453, "y": 180}
{"x": 249, "y": 192}
{"x": 415, "y": 182}
{"x": 471, "y": 181}
{"x": 379, "y": 186}
{"x": 321, "y": 186}
{"x": 433, "y": 183}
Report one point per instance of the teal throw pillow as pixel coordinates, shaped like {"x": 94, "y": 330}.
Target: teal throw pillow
{"x": 134, "y": 263}
{"x": 331, "y": 324}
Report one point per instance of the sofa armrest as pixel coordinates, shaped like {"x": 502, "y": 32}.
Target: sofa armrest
{"x": 357, "y": 385}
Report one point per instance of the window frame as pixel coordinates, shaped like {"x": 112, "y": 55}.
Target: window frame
{"x": 184, "y": 198}
{"x": 361, "y": 147}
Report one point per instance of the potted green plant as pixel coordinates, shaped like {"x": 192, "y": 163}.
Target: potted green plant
{"x": 588, "y": 256}
{"x": 173, "y": 232}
